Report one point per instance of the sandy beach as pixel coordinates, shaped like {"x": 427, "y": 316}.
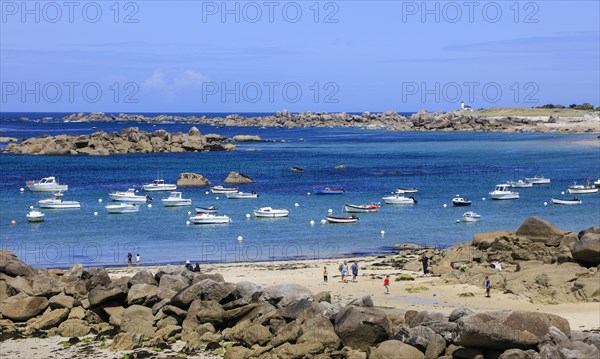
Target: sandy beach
{"x": 432, "y": 296}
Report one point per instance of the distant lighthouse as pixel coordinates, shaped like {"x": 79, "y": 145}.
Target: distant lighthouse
{"x": 465, "y": 107}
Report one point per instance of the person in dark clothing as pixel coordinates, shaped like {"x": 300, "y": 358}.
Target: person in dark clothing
{"x": 129, "y": 258}
{"x": 197, "y": 267}
{"x": 425, "y": 262}
{"x": 189, "y": 266}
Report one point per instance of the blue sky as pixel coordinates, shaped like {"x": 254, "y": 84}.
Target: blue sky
{"x": 354, "y": 56}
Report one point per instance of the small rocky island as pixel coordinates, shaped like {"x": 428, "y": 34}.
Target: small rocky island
{"x": 129, "y": 140}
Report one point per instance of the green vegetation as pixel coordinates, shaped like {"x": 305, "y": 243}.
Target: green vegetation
{"x": 65, "y": 344}
{"x": 219, "y": 351}
{"x": 404, "y": 276}
{"x": 418, "y": 289}
{"x": 532, "y": 112}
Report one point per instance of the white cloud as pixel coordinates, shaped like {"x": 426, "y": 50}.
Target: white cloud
{"x": 172, "y": 82}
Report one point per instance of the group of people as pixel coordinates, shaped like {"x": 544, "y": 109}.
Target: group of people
{"x": 191, "y": 268}
{"x": 130, "y": 259}
{"x": 344, "y": 271}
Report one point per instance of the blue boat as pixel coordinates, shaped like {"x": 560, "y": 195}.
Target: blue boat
{"x": 327, "y": 190}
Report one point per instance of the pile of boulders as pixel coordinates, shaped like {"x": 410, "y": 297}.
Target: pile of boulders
{"x": 128, "y": 140}
{"x": 243, "y": 320}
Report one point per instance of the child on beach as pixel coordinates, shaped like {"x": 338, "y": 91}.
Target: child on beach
{"x": 386, "y": 284}
{"x": 325, "y": 274}
{"x": 488, "y": 286}
{"x": 354, "y": 271}
{"x": 345, "y": 272}
{"x": 137, "y": 260}
{"x": 129, "y": 257}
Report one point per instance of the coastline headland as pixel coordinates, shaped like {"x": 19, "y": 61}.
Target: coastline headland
{"x": 250, "y": 310}
{"x": 527, "y": 120}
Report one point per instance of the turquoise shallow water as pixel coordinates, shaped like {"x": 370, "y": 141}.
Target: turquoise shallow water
{"x": 441, "y": 165}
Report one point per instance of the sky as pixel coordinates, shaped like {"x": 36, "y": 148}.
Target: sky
{"x": 267, "y": 56}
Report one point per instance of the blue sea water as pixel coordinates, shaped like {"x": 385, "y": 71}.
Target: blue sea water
{"x": 440, "y": 164}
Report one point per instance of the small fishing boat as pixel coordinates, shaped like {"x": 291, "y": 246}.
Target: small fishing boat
{"x": 209, "y": 209}
{"x": 471, "y": 217}
{"x": 241, "y": 195}
{"x": 520, "y": 184}
{"x": 35, "y": 216}
{"x": 581, "y": 189}
{"x": 538, "y": 180}
{"x": 159, "y": 185}
{"x": 58, "y": 203}
{"x": 207, "y": 218}
{"x": 128, "y": 196}
{"x": 328, "y": 190}
{"x": 460, "y": 202}
{"x": 362, "y": 208}
{"x": 399, "y": 199}
{"x": 268, "y": 212}
{"x": 336, "y": 220}
{"x": 122, "y": 208}
{"x": 573, "y": 201}
{"x": 175, "y": 200}
{"x": 503, "y": 192}
{"x": 597, "y": 183}
{"x": 402, "y": 190}
{"x": 46, "y": 184}
{"x": 222, "y": 190}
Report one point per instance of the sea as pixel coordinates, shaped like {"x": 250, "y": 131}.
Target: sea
{"x": 373, "y": 163}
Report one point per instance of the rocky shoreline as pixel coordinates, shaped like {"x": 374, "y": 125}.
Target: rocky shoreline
{"x": 128, "y": 140}
{"x": 184, "y": 313}
{"x": 391, "y": 120}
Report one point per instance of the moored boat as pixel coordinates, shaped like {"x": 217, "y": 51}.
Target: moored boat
{"x": 336, "y": 220}
{"x": 268, "y": 212}
{"x": 581, "y": 189}
{"x": 175, "y": 200}
{"x": 221, "y": 189}
{"x": 362, "y": 208}
{"x": 58, "y": 203}
{"x": 241, "y": 195}
{"x": 128, "y": 196}
{"x": 538, "y": 180}
{"x": 503, "y": 192}
{"x": 572, "y": 201}
{"x": 159, "y": 185}
{"x": 402, "y": 190}
{"x": 520, "y": 184}
{"x": 399, "y": 199}
{"x": 597, "y": 183}
{"x": 209, "y": 209}
{"x": 35, "y": 216}
{"x": 207, "y": 218}
{"x": 460, "y": 202}
{"x": 329, "y": 190}
{"x": 122, "y": 208}
{"x": 46, "y": 184}
{"x": 471, "y": 217}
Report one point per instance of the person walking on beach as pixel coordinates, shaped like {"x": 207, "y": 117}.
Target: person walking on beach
{"x": 137, "y": 260}
{"x": 354, "y": 271}
{"x": 129, "y": 257}
{"x": 386, "y": 284}
{"x": 325, "y": 274}
{"x": 345, "y": 272}
{"x": 488, "y": 286}
{"x": 425, "y": 262}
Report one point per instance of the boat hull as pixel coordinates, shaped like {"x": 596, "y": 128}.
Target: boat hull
{"x": 211, "y": 209}
{"x": 582, "y": 190}
{"x": 35, "y": 216}
{"x": 54, "y": 204}
{"x": 127, "y": 199}
{"x": 538, "y": 180}
{"x": 504, "y": 196}
{"x": 176, "y": 203}
{"x": 271, "y": 213}
{"x": 204, "y": 219}
{"x": 119, "y": 209}
{"x": 159, "y": 188}
{"x": 341, "y": 220}
{"x": 239, "y": 195}
{"x": 328, "y": 191}
{"x": 351, "y": 208}
{"x": 33, "y": 187}
{"x": 407, "y": 190}
{"x": 464, "y": 203}
{"x": 520, "y": 184}
{"x": 222, "y": 190}
{"x": 399, "y": 200}
{"x": 566, "y": 202}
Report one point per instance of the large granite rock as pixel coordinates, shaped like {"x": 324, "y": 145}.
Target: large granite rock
{"x": 285, "y": 294}
{"x": 503, "y": 330}
{"x": 587, "y": 249}
{"x": 538, "y": 229}
{"x": 361, "y": 327}
{"x": 237, "y": 178}
{"x": 395, "y": 349}
{"x": 22, "y": 307}
{"x": 192, "y": 180}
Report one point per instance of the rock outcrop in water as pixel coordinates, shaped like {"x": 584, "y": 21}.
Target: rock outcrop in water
{"x": 129, "y": 140}
{"x": 192, "y": 180}
{"x": 188, "y": 312}
{"x": 237, "y": 178}
{"x": 421, "y": 121}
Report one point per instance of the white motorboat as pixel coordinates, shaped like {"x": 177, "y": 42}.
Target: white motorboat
{"x": 241, "y": 195}
{"x": 581, "y": 189}
{"x": 520, "y": 184}
{"x": 209, "y": 209}
{"x": 538, "y": 180}
{"x": 336, "y": 220}
{"x": 159, "y": 185}
{"x": 573, "y": 201}
{"x": 58, "y": 203}
{"x": 222, "y": 190}
{"x": 268, "y": 212}
{"x": 122, "y": 208}
{"x": 503, "y": 192}
{"x": 362, "y": 208}
{"x": 460, "y": 202}
{"x": 597, "y": 183}
{"x": 471, "y": 217}
{"x": 128, "y": 196}
{"x": 175, "y": 200}
{"x": 207, "y": 218}
{"x": 46, "y": 184}
{"x": 35, "y": 216}
{"x": 402, "y": 190}
{"x": 399, "y": 199}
